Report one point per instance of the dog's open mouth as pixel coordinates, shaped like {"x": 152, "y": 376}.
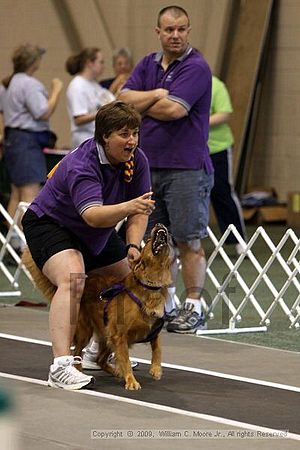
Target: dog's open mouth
{"x": 159, "y": 238}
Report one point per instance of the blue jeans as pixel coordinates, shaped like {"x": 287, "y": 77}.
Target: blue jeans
{"x": 23, "y": 157}
{"x": 182, "y": 202}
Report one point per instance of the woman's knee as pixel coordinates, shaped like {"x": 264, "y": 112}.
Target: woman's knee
{"x": 65, "y": 268}
{"x": 72, "y": 282}
{"x": 193, "y": 246}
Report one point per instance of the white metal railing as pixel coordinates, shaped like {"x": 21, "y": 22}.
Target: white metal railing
{"x": 249, "y": 296}
{"x": 13, "y": 274}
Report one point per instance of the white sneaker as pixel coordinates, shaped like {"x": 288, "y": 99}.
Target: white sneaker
{"x": 65, "y": 376}
{"x": 239, "y": 249}
{"x": 17, "y": 244}
{"x": 89, "y": 360}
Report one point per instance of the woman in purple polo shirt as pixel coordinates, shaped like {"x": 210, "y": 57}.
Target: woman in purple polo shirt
{"x": 70, "y": 226}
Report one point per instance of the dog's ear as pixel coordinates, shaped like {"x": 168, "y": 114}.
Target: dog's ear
{"x": 133, "y": 262}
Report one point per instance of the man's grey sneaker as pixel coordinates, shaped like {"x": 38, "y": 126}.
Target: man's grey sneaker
{"x": 134, "y": 364}
{"x": 65, "y": 376}
{"x": 171, "y": 315}
{"x": 187, "y": 321}
{"x": 89, "y": 360}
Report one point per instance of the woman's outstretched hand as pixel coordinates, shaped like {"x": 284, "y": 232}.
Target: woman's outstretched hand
{"x": 141, "y": 205}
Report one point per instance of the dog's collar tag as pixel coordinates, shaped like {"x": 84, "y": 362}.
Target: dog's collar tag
{"x": 148, "y": 286}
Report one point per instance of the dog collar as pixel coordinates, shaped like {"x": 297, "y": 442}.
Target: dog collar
{"x": 148, "y": 286}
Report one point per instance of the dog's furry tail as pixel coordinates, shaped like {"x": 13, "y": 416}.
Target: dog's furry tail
{"x": 41, "y": 281}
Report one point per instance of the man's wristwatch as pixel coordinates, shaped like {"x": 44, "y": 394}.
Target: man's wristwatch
{"x": 128, "y": 246}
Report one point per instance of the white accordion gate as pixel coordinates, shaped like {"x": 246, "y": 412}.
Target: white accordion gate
{"x": 12, "y": 275}
{"x": 290, "y": 269}
{"x": 279, "y": 296}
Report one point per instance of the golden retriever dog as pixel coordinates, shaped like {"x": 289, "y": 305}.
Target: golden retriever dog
{"x": 123, "y": 313}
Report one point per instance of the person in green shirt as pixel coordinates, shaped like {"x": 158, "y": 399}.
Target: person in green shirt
{"x": 223, "y": 197}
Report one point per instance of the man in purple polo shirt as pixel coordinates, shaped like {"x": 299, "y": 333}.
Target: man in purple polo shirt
{"x": 172, "y": 90}
{"x": 69, "y": 227}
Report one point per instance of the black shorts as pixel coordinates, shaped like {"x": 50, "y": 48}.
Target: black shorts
{"x": 45, "y": 238}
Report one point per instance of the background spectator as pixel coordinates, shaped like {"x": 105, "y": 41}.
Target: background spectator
{"x": 122, "y": 65}
{"x": 84, "y": 94}
{"x": 26, "y": 108}
{"x": 172, "y": 89}
{"x": 223, "y": 197}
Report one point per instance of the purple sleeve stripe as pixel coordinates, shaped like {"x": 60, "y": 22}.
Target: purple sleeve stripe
{"x": 89, "y": 205}
{"x": 179, "y": 100}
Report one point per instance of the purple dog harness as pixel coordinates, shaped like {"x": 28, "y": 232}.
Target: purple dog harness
{"x": 108, "y": 294}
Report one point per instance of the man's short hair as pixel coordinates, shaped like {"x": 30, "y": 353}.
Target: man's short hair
{"x": 176, "y": 11}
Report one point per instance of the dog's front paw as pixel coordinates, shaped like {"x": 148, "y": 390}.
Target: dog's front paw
{"x": 131, "y": 384}
{"x": 156, "y": 372}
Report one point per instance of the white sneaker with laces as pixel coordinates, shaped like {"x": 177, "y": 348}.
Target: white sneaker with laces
{"x": 65, "y": 376}
{"x": 89, "y": 360}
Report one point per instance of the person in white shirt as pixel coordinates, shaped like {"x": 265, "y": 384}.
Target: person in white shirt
{"x": 84, "y": 94}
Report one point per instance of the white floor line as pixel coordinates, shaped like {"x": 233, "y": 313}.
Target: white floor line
{"x": 209, "y": 418}
{"x": 249, "y": 344}
{"x": 41, "y": 342}
{"x": 25, "y": 339}
{"x": 212, "y": 373}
